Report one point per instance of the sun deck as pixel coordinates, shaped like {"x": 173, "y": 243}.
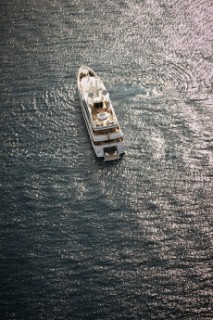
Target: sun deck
{"x": 103, "y": 118}
{"x": 97, "y": 99}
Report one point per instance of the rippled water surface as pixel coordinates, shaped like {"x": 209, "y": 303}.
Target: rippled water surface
{"x": 82, "y": 239}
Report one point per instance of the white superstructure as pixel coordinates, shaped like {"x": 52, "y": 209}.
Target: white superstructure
{"x": 99, "y": 115}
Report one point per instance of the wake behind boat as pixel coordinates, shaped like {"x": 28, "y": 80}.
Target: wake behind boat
{"x": 102, "y": 124}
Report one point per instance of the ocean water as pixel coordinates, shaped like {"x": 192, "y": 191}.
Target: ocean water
{"x": 83, "y": 239}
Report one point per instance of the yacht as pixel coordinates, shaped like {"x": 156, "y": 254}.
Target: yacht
{"x": 101, "y": 121}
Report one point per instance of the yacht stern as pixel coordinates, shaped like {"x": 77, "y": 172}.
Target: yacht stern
{"x": 111, "y": 153}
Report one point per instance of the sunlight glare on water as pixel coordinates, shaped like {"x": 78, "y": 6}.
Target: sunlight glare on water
{"x": 83, "y": 239}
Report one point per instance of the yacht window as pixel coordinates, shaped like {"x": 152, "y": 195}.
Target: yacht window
{"x": 98, "y": 105}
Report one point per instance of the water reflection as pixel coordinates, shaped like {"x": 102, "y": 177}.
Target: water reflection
{"x": 130, "y": 239}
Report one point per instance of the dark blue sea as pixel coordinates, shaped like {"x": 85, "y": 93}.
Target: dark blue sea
{"x": 83, "y": 239}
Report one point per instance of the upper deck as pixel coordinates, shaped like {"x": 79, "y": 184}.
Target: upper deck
{"x": 98, "y": 103}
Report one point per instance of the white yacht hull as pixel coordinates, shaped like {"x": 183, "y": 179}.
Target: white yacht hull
{"x": 106, "y": 143}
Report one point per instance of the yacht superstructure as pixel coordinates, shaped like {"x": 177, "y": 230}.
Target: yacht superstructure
{"x": 102, "y": 124}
